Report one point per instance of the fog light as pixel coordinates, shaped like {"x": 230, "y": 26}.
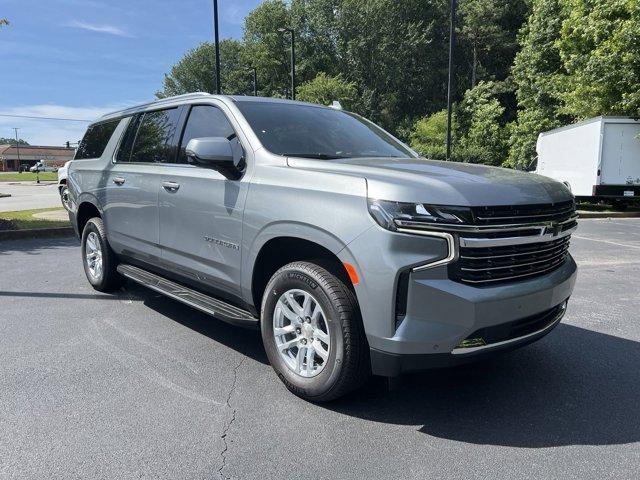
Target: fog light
{"x": 472, "y": 342}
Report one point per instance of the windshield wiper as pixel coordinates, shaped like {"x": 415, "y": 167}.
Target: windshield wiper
{"x": 319, "y": 156}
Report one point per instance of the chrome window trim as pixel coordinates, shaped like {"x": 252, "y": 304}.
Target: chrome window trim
{"x": 553, "y": 323}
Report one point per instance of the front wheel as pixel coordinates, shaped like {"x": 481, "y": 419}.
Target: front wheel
{"x": 312, "y": 332}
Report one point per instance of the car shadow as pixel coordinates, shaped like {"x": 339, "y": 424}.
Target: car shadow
{"x": 244, "y": 340}
{"x": 575, "y": 387}
{"x": 36, "y": 246}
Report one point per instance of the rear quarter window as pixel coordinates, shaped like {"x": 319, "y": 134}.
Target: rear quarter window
{"x": 95, "y": 140}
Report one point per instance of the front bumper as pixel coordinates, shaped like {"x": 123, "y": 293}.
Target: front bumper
{"x": 441, "y": 313}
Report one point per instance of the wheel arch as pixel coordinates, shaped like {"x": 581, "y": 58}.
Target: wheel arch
{"x": 274, "y": 251}
{"x": 87, "y": 209}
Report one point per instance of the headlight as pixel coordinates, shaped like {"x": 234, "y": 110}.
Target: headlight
{"x": 398, "y": 215}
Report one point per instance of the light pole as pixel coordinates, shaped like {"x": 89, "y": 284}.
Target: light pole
{"x": 293, "y": 59}
{"x": 255, "y": 80}
{"x": 17, "y": 146}
{"x": 217, "y": 45}
{"x": 452, "y": 41}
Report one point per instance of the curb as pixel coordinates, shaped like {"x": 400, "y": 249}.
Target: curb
{"x": 583, "y": 214}
{"x": 36, "y": 233}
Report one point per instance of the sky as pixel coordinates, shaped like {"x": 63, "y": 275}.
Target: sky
{"x": 79, "y": 59}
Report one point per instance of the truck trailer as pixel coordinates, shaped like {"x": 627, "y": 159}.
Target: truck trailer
{"x": 598, "y": 158}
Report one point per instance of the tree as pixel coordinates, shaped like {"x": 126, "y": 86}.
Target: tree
{"x": 12, "y": 141}
{"x": 395, "y": 53}
{"x": 324, "y": 89}
{"x": 267, "y": 49}
{"x": 482, "y": 30}
{"x": 429, "y": 135}
{"x": 195, "y": 72}
{"x": 484, "y": 138}
{"x": 599, "y": 47}
{"x": 538, "y": 73}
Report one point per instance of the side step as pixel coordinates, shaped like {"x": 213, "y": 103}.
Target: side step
{"x": 202, "y": 302}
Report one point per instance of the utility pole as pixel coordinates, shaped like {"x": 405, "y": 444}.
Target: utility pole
{"x": 217, "y": 46}
{"x": 255, "y": 80}
{"x": 17, "y": 146}
{"x": 452, "y": 41}
{"x": 293, "y": 59}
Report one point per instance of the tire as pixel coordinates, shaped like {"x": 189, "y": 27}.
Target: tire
{"x": 64, "y": 196}
{"x": 94, "y": 239}
{"x": 340, "y": 354}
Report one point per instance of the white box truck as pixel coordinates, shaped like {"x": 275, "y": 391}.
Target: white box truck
{"x": 598, "y": 158}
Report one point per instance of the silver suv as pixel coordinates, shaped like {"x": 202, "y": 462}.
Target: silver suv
{"x": 351, "y": 254}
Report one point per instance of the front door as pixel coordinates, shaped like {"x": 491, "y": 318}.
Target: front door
{"x": 132, "y": 183}
{"x": 201, "y": 211}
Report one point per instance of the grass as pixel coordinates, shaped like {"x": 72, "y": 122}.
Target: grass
{"x": 28, "y": 177}
{"x": 23, "y": 219}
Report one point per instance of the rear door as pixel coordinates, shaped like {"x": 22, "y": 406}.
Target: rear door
{"x": 133, "y": 181}
{"x": 621, "y": 154}
{"x": 201, "y": 211}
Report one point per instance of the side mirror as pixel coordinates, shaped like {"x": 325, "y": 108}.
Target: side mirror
{"x": 217, "y": 153}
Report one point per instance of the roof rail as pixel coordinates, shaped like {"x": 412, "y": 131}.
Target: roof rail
{"x": 184, "y": 96}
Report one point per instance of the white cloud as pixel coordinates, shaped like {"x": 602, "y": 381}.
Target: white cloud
{"x": 50, "y": 132}
{"x": 92, "y": 27}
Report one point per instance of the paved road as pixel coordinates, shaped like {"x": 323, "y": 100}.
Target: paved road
{"x": 135, "y": 385}
{"x": 28, "y": 196}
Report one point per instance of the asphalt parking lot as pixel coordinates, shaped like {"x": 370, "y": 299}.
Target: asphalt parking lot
{"x": 135, "y": 385}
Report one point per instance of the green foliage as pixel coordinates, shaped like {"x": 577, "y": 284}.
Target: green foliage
{"x": 538, "y": 73}
{"x": 324, "y": 89}
{"x": 599, "y": 47}
{"x": 195, "y": 72}
{"x": 522, "y": 66}
{"x": 12, "y": 141}
{"x": 484, "y": 138}
{"x": 429, "y": 135}
{"x": 478, "y": 132}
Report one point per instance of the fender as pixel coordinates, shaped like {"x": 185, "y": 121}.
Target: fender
{"x": 299, "y": 230}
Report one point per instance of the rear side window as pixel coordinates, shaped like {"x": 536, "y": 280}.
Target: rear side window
{"x": 150, "y": 138}
{"x": 204, "y": 121}
{"x": 95, "y": 140}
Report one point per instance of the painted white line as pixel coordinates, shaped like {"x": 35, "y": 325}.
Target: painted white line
{"x": 637, "y": 247}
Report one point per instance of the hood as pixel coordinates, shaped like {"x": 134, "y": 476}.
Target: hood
{"x": 445, "y": 183}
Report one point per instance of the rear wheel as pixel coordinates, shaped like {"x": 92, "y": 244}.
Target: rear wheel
{"x": 312, "y": 332}
{"x": 64, "y": 196}
{"x": 99, "y": 260}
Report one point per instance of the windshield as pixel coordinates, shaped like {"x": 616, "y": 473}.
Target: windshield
{"x": 317, "y": 132}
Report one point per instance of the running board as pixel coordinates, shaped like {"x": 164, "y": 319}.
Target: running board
{"x": 200, "y": 301}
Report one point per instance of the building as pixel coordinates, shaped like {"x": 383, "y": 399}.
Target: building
{"x": 11, "y": 157}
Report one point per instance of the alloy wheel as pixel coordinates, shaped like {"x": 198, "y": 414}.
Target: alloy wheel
{"x": 301, "y": 333}
{"x": 93, "y": 255}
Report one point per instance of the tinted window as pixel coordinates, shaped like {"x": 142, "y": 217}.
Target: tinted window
{"x": 204, "y": 121}
{"x": 154, "y": 139}
{"x": 124, "y": 151}
{"x": 318, "y": 132}
{"x": 95, "y": 140}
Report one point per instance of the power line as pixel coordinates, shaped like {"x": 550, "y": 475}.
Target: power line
{"x": 46, "y": 118}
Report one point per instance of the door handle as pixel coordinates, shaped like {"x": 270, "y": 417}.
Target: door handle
{"x": 171, "y": 186}
{"x": 118, "y": 180}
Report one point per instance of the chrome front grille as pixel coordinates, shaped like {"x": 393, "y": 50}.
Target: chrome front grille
{"x": 510, "y": 243}
{"x": 509, "y": 262}
{"x": 518, "y": 214}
